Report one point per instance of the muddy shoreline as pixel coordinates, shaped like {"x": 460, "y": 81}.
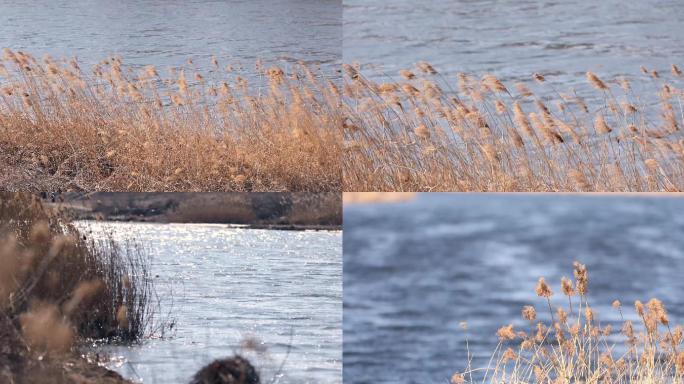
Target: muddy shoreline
{"x": 19, "y": 364}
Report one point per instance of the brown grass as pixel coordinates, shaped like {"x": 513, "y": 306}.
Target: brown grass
{"x": 60, "y": 291}
{"x": 115, "y": 128}
{"x": 576, "y": 348}
{"x": 58, "y": 288}
{"x": 426, "y": 132}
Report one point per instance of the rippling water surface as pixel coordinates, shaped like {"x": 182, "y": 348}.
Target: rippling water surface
{"x": 223, "y": 285}
{"x": 167, "y": 33}
{"x": 514, "y": 38}
{"x": 414, "y": 271}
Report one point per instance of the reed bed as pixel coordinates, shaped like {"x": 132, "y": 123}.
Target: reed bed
{"x": 102, "y": 288}
{"x": 575, "y": 347}
{"x": 59, "y": 290}
{"x": 422, "y": 131}
{"x": 116, "y": 128}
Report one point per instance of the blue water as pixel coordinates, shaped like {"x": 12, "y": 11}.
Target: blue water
{"x": 414, "y": 271}
{"x": 515, "y": 38}
{"x": 168, "y": 33}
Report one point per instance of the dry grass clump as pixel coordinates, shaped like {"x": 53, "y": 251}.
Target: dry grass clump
{"x": 57, "y": 288}
{"x": 115, "y": 128}
{"x": 576, "y": 348}
{"x": 426, "y": 132}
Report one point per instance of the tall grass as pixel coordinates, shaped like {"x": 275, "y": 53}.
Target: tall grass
{"x": 423, "y": 131}
{"x": 574, "y": 347}
{"x": 117, "y": 128}
{"x": 58, "y": 288}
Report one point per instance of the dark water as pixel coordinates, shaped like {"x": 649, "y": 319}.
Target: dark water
{"x": 514, "y": 38}
{"x": 224, "y": 285}
{"x": 167, "y": 33}
{"x": 414, "y": 271}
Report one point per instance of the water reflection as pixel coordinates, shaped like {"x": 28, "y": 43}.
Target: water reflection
{"x": 226, "y": 285}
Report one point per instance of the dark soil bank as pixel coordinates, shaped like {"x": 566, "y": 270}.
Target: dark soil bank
{"x": 259, "y": 210}
{"x": 19, "y": 365}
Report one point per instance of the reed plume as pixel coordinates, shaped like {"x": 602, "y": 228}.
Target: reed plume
{"x": 427, "y": 131}
{"x": 118, "y": 128}
{"x": 577, "y": 347}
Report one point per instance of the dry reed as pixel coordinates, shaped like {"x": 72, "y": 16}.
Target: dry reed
{"x": 576, "y": 348}
{"x": 58, "y": 288}
{"x": 428, "y": 132}
{"x": 117, "y": 128}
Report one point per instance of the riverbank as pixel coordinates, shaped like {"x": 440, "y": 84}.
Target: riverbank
{"x": 19, "y": 365}
{"x": 58, "y": 291}
{"x": 282, "y": 211}
{"x": 61, "y": 292}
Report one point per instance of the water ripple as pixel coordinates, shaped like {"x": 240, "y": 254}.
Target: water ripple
{"x": 412, "y": 272}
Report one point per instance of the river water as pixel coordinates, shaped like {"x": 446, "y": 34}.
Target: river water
{"x": 515, "y": 38}
{"x": 225, "y": 285}
{"x": 414, "y": 271}
{"x": 168, "y": 33}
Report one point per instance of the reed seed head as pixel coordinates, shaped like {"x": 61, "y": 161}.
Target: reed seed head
{"x": 508, "y": 355}
{"x": 651, "y": 164}
{"x": 422, "y": 132}
{"x": 529, "y": 313}
{"x": 543, "y": 289}
{"x": 406, "y": 74}
{"x": 600, "y": 125}
{"x": 122, "y": 317}
{"x": 493, "y": 84}
{"x": 45, "y": 329}
{"x": 639, "y": 306}
{"x": 562, "y": 315}
{"x": 581, "y": 277}
{"x": 506, "y": 333}
{"x": 596, "y": 82}
{"x": 566, "y": 286}
{"x": 425, "y": 67}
